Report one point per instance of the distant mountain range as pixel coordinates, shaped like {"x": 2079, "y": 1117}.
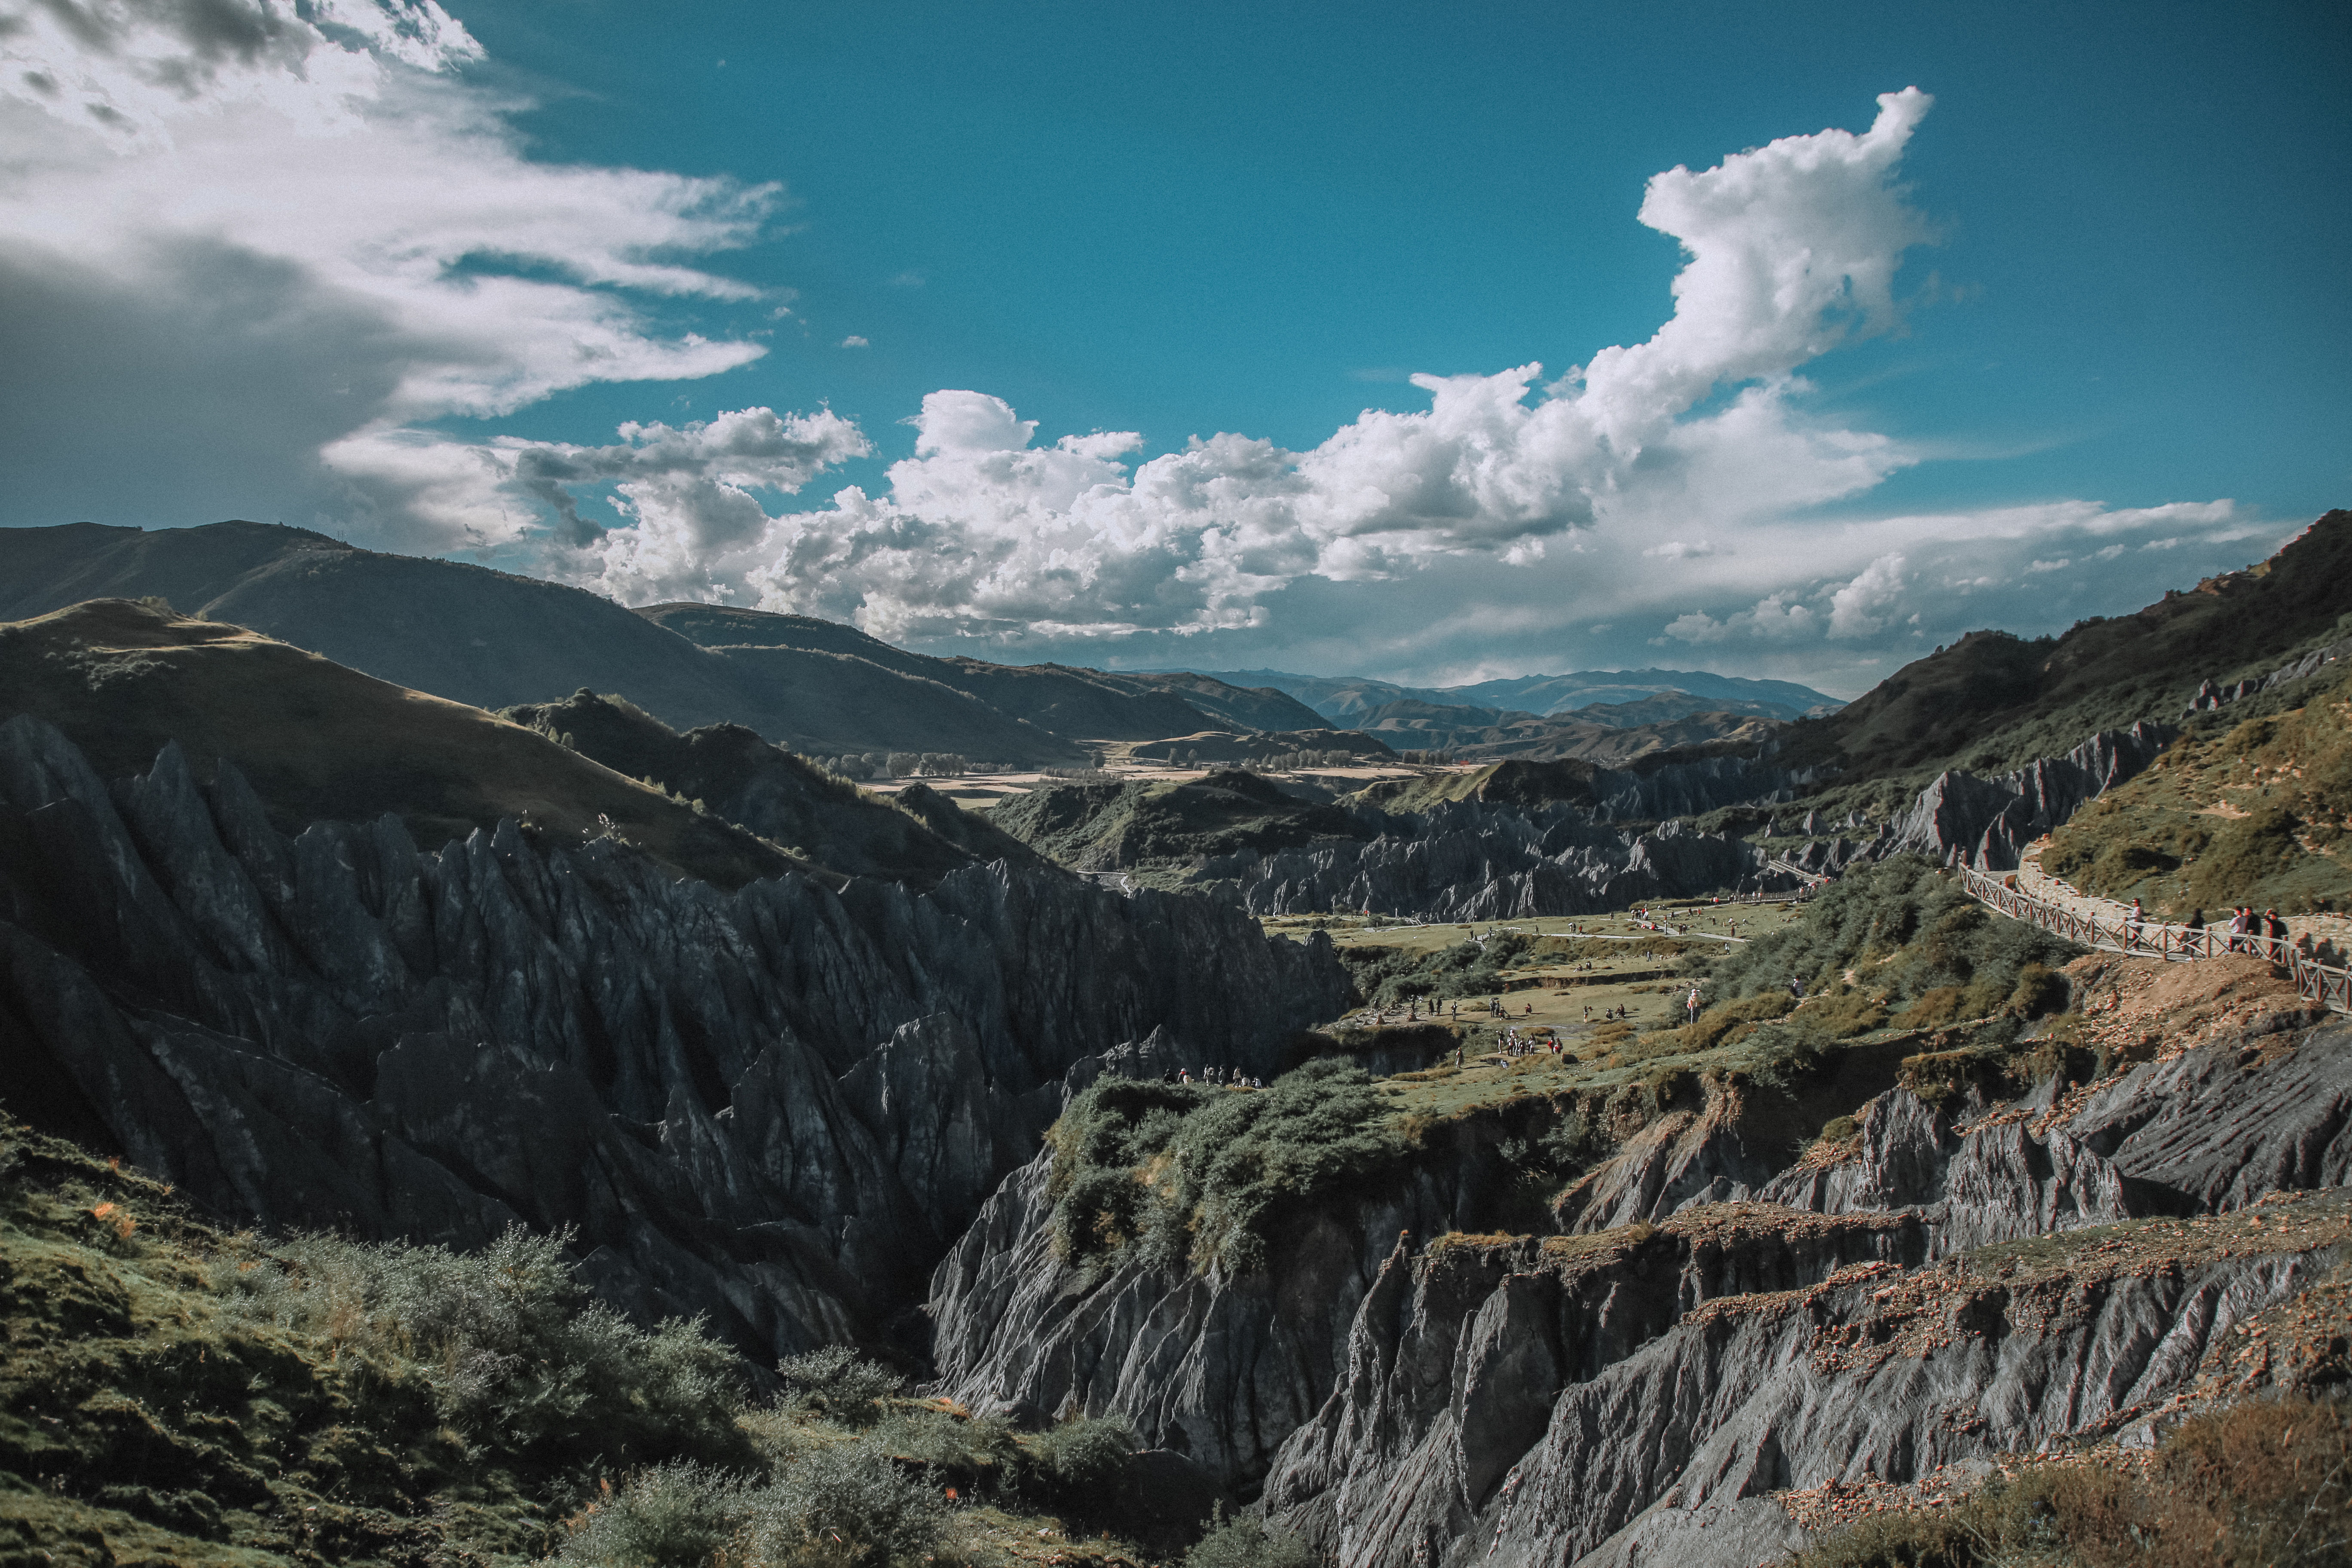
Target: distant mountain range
{"x": 1348, "y": 699}
{"x": 493, "y": 640}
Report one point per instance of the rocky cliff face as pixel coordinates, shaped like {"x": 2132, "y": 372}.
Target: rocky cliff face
{"x": 1986, "y": 821}
{"x": 1458, "y": 1438}
{"x": 1221, "y": 1369}
{"x": 773, "y": 1105}
{"x": 1963, "y": 1278}
{"x": 2043, "y": 1272}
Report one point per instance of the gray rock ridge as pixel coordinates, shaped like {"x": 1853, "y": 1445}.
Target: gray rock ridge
{"x": 1686, "y": 1158}
{"x": 1474, "y": 862}
{"x": 1977, "y": 1174}
{"x": 1872, "y": 1371}
{"x": 2211, "y": 695}
{"x": 2217, "y": 1128}
{"x": 1984, "y": 822}
{"x": 775, "y": 1105}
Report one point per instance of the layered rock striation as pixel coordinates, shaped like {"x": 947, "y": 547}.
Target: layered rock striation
{"x": 2064, "y": 1271}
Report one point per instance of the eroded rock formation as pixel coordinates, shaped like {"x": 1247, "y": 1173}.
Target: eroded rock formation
{"x": 776, "y": 1105}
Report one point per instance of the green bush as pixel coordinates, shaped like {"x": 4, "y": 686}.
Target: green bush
{"x": 670, "y": 1516}
{"x": 836, "y": 1380}
{"x": 1244, "y": 1542}
{"x": 511, "y": 1342}
{"x": 1076, "y": 1463}
{"x": 1781, "y": 1056}
{"x": 1390, "y": 977}
{"x": 847, "y": 1506}
{"x": 1185, "y": 1174}
{"x": 982, "y": 1445}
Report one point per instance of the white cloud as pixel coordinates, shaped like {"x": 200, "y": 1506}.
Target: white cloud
{"x": 854, "y": 342}
{"x": 1791, "y": 251}
{"x": 1776, "y": 617}
{"x": 1864, "y": 606}
{"x": 176, "y": 160}
{"x": 2058, "y": 565}
{"x": 1676, "y": 550}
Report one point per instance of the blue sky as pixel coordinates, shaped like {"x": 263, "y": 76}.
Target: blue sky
{"x": 403, "y": 275}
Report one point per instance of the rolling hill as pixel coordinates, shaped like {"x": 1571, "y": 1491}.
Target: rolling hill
{"x": 494, "y": 639}
{"x": 1994, "y": 701}
{"x": 1096, "y": 704}
{"x": 1348, "y": 697}
{"x": 315, "y": 741}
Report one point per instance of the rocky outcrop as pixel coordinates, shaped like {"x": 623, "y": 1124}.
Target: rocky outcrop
{"x": 1984, "y": 822}
{"x": 1217, "y": 1367}
{"x": 2034, "y": 1273}
{"x": 1684, "y": 1159}
{"x": 774, "y": 1105}
{"x": 1966, "y": 1277}
{"x": 2211, "y": 695}
{"x": 1460, "y": 1358}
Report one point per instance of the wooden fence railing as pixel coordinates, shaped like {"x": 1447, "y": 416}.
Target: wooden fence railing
{"x": 2317, "y": 982}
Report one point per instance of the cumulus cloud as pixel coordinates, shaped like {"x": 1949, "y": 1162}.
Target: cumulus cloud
{"x": 1776, "y": 617}
{"x": 1791, "y": 249}
{"x": 326, "y": 175}
{"x": 1863, "y": 606}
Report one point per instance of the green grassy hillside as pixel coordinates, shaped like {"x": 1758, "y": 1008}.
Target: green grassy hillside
{"x": 176, "y": 1396}
{"x": 2251, "y": 813}
{"x": 1509, "y": 782}
{"x": 1166, "y": 823}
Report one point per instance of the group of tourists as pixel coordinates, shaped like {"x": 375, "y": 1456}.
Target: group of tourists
{"x": 1516, "y": 1045}
{"x": 2244, "y": 930}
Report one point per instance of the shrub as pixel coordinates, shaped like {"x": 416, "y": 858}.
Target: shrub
{"x": 1780, "y": 1057}
{"x": 935, "y": 1439}
{"x": 837, "y": 1382}
{"x": 2041, "y": 990}
{"x": 1195, "y": 1175}
{"x": 1390, "y": 977}
{"x": 1244, "y": 1542}
{"x": 1902, "y": 927}
{"x": 1077, "y": 1462}
{"x": 849, "y": 1506}
{"x": 671, "y": 1516}
{"x": 511, "y": 1342}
